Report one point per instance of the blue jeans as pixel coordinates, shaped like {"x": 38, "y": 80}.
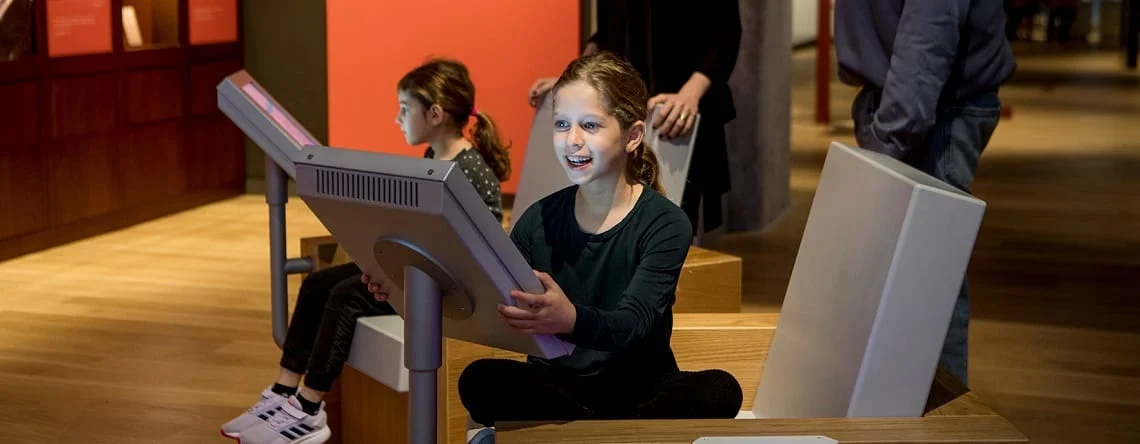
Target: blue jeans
{"x": 950, "y": 154}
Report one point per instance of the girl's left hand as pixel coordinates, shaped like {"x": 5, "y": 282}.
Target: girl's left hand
{"x": 545, "y": 314}
{"x": 675, "y": 118}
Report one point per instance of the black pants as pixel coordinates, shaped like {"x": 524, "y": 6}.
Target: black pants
{"x": 505, "y": 390}
{"x": 324, "y": 321}
{"x": 708, "y": 178}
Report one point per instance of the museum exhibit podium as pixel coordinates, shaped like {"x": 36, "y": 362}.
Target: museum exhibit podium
{"x": 416, "y": 225}
{"x": 281, "y": 137}
{"x": 424, "y": 234}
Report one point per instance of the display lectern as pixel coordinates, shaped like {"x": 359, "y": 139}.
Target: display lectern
{"x": 279, "y": 135}
{"x": 416, "y": 225}
{"x": 420, "y": 229}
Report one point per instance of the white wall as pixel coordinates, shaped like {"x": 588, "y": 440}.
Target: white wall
{"x": 805, "y": 20}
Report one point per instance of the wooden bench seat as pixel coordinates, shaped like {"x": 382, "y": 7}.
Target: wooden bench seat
{"x": 953, "y": 414}
{"x": 977, "y": 429}
{"x": 373, "y": 412}
{"x": 734, "y": 342}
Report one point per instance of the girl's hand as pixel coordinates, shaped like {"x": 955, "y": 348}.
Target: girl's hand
{"x": 373, "y": 288}
{"x": 545, "y": 314}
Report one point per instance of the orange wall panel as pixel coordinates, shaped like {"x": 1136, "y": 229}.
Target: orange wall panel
{"x": 213, "y": 21}
{"x": 78, "y": 27}
{"x": 506, "y": 44}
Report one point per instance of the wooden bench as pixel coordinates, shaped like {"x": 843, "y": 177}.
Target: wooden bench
{"x": 738, "y": 343}
{"x": 953, "y": 415}
{"x": 734, "y": 342}
{"x": 362, "y": 410}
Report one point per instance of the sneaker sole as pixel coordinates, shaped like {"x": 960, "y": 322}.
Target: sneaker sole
{"x": 317, "y": 437}
{"x": 235, "y": 436}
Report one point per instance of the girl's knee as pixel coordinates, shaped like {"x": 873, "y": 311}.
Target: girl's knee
{"x": 475, "y": 378}
{"x": 344, "y": 293}
{"x": 724, "y": 391}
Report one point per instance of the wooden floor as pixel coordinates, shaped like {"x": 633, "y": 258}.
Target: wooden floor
{"x": 159, "y": 333}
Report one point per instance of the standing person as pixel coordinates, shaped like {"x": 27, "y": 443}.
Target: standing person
{"x": 685, "y": 53}
{"x": 930, "y": 72}
{"x": 436, "y": 101}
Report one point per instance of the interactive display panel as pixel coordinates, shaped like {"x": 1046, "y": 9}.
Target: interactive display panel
{"x": 389, "y": 212}
{"x": 263, "y": 120}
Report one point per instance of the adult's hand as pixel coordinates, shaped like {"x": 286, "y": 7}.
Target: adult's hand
{"x": 539, "y": 89}
{"x": 676, "y": 116}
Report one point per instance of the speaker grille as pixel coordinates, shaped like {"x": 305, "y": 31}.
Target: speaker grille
{"x": 368, "y": 187}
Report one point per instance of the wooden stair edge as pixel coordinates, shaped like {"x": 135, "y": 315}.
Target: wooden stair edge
{"x": 959, "y": 429}
{"x": 725, "y": 321}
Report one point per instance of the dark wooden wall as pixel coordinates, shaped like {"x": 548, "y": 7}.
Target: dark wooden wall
{"x": 285, "y": 50}
{"x": 93, "y": 143}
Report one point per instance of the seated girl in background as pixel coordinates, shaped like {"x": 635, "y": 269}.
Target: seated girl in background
{"x": 436, "y": 101}
{"x": 609, "y": 251}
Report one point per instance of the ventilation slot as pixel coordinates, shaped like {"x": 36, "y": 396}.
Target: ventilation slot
{"x": 368, "y": 187}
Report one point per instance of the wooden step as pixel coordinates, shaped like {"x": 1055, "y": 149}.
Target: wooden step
{"x": 978, "y": 429}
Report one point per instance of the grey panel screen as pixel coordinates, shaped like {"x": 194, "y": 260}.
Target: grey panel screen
{"x": 367, "y": 200}
{"x": 263, "y": 120}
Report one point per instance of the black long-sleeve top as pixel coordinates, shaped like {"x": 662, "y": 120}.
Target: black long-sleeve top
{"x": 622, "y": 282}
{"x": 667, "y": 41}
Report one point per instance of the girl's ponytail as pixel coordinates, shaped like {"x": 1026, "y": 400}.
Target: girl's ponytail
{"x": 642, "y": 166}
{"x": 485, "y": 137}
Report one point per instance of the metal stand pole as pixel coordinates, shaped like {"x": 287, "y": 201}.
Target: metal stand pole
{"x": 423, "y": 352}
{"x": 277, "y": 195}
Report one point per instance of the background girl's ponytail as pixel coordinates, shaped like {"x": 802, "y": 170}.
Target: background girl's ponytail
{"x": 485, "y": 136}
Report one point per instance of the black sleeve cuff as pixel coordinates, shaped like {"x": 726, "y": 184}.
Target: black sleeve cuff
{"x": 585, "y": 326}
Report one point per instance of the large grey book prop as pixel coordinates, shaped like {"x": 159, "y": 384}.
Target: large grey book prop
{"x": 878, "y": 271}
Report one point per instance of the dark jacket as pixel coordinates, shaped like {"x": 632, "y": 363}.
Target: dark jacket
{"x": 669, "y": 40}
{"x": 923, "y": 55}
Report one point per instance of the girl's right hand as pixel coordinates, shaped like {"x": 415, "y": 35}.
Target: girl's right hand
{"x": 539, "y": 89}
{"x": 373, "y": 288}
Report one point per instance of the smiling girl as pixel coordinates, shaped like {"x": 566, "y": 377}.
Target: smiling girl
{"x": 608, "y": 250}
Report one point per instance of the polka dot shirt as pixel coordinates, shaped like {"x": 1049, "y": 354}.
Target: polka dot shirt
{"x": 481, "y": 176}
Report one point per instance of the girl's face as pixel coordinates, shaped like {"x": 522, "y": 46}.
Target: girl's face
{"x": 588, "y": 140}
{"x": 415, "y": 121}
